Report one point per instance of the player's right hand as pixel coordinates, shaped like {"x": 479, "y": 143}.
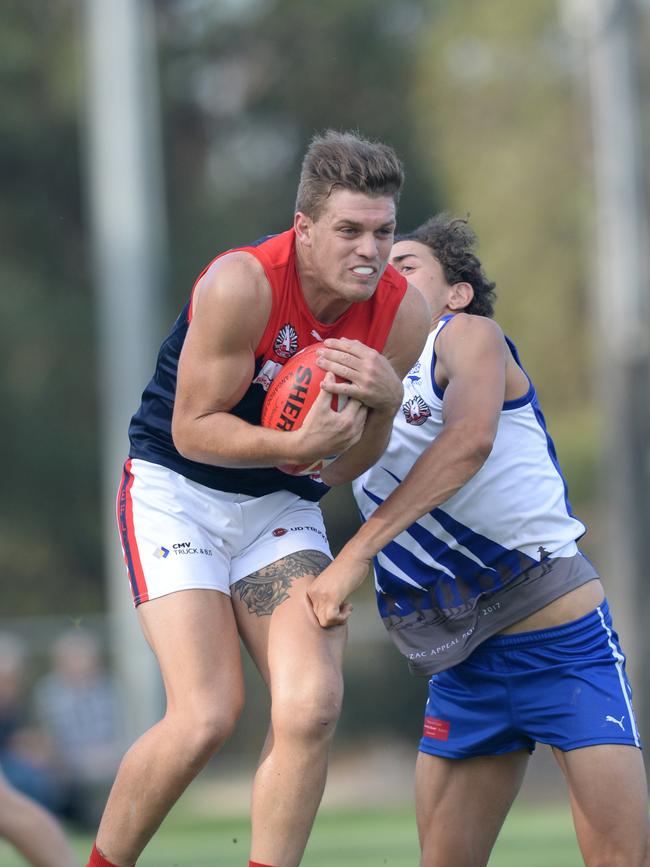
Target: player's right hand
{"x": 329, "y": 590}
{"x": 327, "y": 432}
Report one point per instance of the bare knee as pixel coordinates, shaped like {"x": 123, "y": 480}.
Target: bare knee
{"x": 308, "y": 712}
{"x": 203, "y": 728}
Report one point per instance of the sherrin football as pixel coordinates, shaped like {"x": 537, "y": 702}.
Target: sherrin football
{"x": 290, "y": 397}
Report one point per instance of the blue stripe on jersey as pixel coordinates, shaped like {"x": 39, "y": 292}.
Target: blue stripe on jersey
{"x": 528, "y": 397}
{"x": 530, "y": 394}
{"x": 477, "y": 577}
{"x": 531, "y": 397}
{"x": 397, "y": 598}
{"x": 497, "y": 566}
{"x": 539, "y": 415}
{"x": 509, "y": 562}
{"x": 428, "y": 577}
{"x": 443, "y": 321}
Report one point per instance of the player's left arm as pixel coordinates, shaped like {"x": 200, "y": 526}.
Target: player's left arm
{"x": 471, "y": 353}
{"x": 375, "y": 379}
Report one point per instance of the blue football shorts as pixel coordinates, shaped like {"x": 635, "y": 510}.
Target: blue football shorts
{"x": 565, "y": 687}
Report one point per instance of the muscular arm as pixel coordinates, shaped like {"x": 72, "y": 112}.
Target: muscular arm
{"x": 231, "y": 307}
{"x": 378, "y": 384}
{"x": 471, "y": 355}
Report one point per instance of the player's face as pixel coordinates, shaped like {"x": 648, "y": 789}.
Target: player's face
{"x": 349, "y": 244}
{"x": 418, "y": 264}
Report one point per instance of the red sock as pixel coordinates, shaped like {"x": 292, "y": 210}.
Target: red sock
{"x": 257, "y": 864}
{"x": 97, "y": 860}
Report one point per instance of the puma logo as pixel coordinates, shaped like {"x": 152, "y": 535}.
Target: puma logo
{"x": 619, "y": 722}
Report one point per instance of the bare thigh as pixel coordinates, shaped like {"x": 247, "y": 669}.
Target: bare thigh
{"x": 194, "y": 636}
{"x": 461, "y": 805}
{"x": 301, "y": 664}
{"x": 609, "y": 800}
{"x": 278, "y": 626}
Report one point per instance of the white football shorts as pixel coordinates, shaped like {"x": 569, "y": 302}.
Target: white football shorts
{"x": 178, "y": 535}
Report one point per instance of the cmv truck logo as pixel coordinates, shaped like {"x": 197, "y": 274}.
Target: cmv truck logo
{"x": 181, "y": 548}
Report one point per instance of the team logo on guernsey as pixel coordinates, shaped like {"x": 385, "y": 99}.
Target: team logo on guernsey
{"x": 415, "y": 410}
{"x": 267, "y": 374}
{"x": 286, "y": 343}
{"x": 414, "y": 372}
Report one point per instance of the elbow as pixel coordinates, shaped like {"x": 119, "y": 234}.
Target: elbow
{"x": 474, "y": 443}
{"x": 335, "y": 480}
{"x": 182, "y": 440}
{"x": 481, "y": 445}
{"x": 334, "y": 477}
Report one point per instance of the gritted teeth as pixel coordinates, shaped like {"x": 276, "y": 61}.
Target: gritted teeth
{"x": 364, "y": 270}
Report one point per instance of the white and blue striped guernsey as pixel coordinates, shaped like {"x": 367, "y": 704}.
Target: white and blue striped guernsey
{"x": 500, "y": 548}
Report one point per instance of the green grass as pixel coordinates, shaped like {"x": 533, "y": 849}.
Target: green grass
{"x": 531, "y": 837}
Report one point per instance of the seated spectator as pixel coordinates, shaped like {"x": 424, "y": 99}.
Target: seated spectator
{"x": 78, "y": 705}
{"x": 25, "y": 752}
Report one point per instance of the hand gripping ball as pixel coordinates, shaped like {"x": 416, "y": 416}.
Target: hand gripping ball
{"x": 290, "y": 397}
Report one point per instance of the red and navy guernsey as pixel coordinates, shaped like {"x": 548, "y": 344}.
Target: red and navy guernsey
{"x": 291, "y": 327}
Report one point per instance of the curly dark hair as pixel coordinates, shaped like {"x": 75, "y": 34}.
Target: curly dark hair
{"x": 452, "y": 242}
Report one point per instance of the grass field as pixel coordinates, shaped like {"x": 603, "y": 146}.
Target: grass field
{"x": 532, "y": 837}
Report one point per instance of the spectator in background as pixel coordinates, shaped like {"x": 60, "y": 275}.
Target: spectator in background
{"x": 78, "y": 705}
{"x": 25, "y": 752}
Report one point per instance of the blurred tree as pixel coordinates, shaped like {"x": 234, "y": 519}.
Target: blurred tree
{"x": 502, "y": 129}
{"x": 48, "y": 524}
{"x": 477, "y": 98}
{"x": 246, "y": 84}
{"x": 500, "y": 121}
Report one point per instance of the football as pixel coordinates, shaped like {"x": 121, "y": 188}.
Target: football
{"x": 290, "y": 397}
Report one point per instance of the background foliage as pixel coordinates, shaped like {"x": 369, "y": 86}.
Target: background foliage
{"x": 482, "y": 100}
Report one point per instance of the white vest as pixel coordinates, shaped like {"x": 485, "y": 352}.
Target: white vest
{"x": 505, "y": 519}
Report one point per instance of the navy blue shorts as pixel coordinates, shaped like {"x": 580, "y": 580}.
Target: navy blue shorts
{"x": 565, "y": 687}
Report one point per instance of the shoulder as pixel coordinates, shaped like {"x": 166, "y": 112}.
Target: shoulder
{"x": 232, "y": 303}
{"x": 235, "y": 281}
{"x": 465, "y": 328}
{"x": 469, "y": 343}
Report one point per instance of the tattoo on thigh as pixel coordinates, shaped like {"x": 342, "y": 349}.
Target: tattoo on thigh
{"x": 264, "y": 590}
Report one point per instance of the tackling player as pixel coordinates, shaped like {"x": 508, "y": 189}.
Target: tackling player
{"x": 481, "y": 585}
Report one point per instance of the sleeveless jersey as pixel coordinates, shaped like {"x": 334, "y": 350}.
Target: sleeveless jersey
{"x": 448, "y": 581}
{"x": 291, "y": 327}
